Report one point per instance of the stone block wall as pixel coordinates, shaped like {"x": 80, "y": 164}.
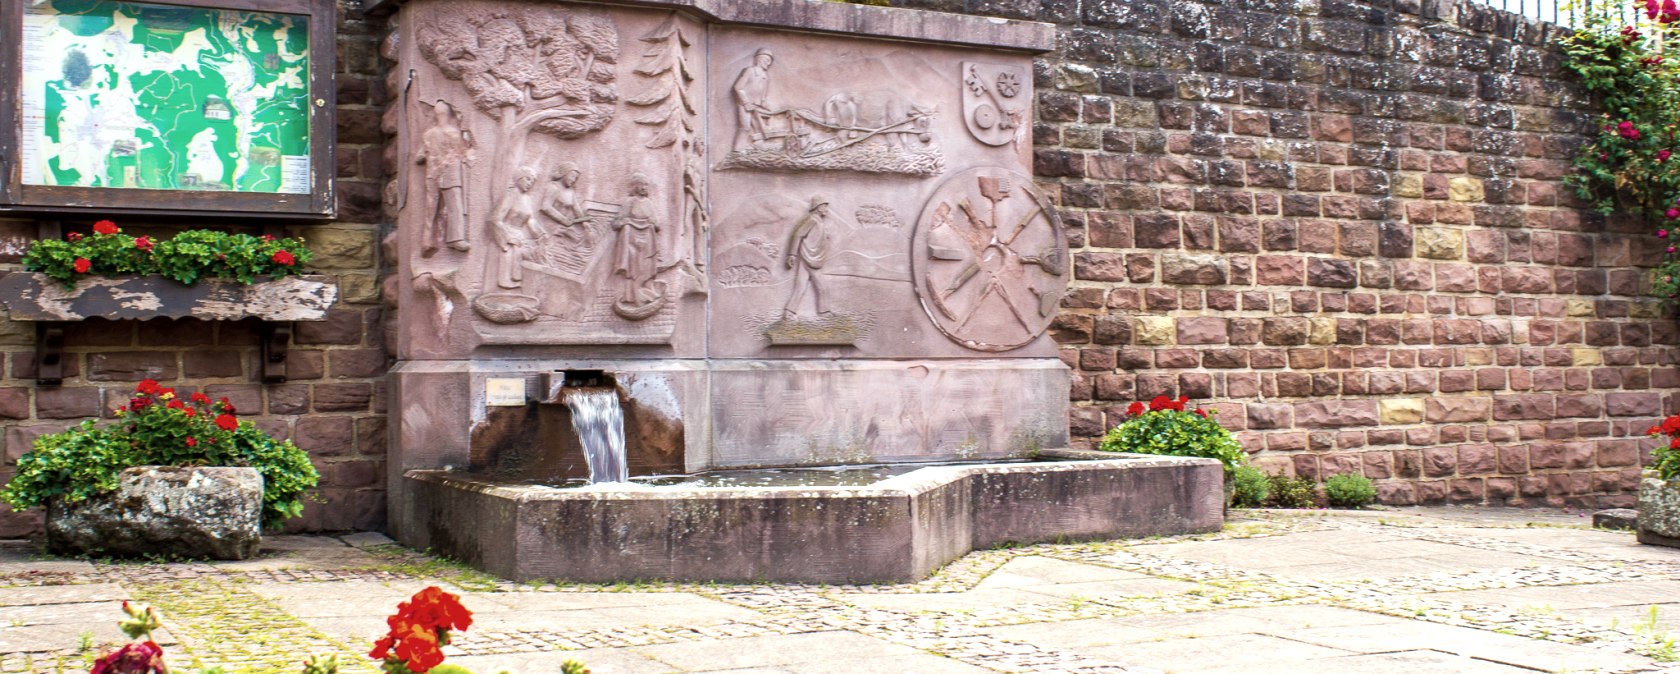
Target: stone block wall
{"x": 1343, "y": 226}
{"x": 333, "y": 404}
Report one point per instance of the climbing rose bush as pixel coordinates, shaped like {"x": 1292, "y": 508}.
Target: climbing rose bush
{"x": 1629, "y": 166}
{"x": 1170, "y": 426}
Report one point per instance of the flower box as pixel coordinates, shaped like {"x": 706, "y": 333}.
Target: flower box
{"x": 1659, "y": 511}
{"x": 31, "y": 296}
{"x": 190, "y": 512}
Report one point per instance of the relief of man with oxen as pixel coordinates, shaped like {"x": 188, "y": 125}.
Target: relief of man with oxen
{"x": 870, "y": 131}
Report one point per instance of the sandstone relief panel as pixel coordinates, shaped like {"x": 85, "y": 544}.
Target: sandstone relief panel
{"x": 802, "y": 118}
{"x": 993, "y": 108}
{"x": 815, "y": 242}
{"x": 557, "y": 194}
{"x": 991, "y": 260}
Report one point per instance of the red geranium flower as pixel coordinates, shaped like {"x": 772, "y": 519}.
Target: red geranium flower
{"x": 227, "y": 422}
{"x": 143, "y": 243}
{"x": 141, "y": 657}
{"x": 82, "y": 265}
{"x": 284, "y": 257}
{"x": 192, "y": 441}
{"x": 190, "y": 412}
{"x": 200, "y": 398}
{"x": 147, "y": 386}
{"x": 105, "y": 227}
{"x": 175, "y": 405}
{"x": 1134, "y": 409}
{"x": 74, "y": 236}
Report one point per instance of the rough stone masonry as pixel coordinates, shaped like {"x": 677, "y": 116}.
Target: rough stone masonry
{"x": 1343, "y": 223}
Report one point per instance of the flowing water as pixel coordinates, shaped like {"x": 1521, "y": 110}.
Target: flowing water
{"x": 599, "y": 422}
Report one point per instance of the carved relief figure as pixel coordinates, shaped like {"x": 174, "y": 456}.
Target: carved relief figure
{"x": 807, "y": 250}
{"x": 666, "y": 81}
{"x": 695, "y": 218}
{"x": 990, "y": 260}
{"x": 636, "y": 255}
{"x": 445, "y": 150}
{"x": 865, "y": 131}
{"x": 533, "y": 69}
{"x": 752, "y": 100}
{"x": 515, "y": 228}
{"x": 561, "y": 204}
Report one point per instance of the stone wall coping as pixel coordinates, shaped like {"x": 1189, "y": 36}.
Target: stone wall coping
{"x": 825, "y": 16}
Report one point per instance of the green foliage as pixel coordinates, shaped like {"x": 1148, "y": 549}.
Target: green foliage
{"x": 1177, "y": 433}
{"x": 1249, "y": 487}
{"x": 1292, "y": 492}
{"x": 1666, "y": 461}
{"x": 1349, "y": 490}
{"x": 187, "y": 257}
{"x": 157, "y": 428}
{"x": 1630, "y": 165}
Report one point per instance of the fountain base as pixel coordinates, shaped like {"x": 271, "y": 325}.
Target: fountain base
{"x": 895, "y": 530}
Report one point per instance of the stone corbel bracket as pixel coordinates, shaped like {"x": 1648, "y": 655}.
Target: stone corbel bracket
{"x": 277, "y": 303}
{"x": 825, "y": 16}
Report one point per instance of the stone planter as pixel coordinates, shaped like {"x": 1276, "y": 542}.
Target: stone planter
{"x": 31, "y": 296}
{"x": 1659, "y": 511}
{"x": 213, "y": 513}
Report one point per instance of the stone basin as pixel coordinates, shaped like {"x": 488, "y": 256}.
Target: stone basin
{"x": 895, "y": 530}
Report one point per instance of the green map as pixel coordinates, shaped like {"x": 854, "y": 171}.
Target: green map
{"x": 137, "y": 95}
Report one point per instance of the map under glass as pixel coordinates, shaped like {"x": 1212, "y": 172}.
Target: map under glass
{"x": 138, "y": 95}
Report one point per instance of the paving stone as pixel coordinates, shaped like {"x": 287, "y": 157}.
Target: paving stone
{"x": 600, "y": 661}
{"x": 816, "y": 647}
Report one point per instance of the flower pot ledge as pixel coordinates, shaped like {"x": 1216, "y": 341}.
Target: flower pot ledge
{"x": 32, "y": 296}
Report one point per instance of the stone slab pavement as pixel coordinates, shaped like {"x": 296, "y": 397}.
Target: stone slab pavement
{"x": 1413, "y": 590}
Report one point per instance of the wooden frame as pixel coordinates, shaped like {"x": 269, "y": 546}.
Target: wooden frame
{"x": 319, "y": 203}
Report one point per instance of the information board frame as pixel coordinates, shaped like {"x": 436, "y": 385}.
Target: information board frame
{"x": 318, "y": 203}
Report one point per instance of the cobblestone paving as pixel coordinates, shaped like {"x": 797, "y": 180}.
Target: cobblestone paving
{"x": 1409, "y": 590}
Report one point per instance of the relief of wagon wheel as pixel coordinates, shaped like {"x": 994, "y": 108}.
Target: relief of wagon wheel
{"x": 989, "y": 260}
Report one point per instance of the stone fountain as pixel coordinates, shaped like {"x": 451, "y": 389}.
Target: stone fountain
{"x": 778, "y": 234}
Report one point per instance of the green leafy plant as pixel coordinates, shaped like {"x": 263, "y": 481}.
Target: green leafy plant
{"x": 1666, "y": 459}
{"x": 1292, "y": 492}
{"x": 1249, "y": 487}
{"x": 187, "y": 257}
{"x": 159, "y": 428}
{"x": 1630, "y": 165}
{"x": 1349, "y": 490}
{"x": 1166, "y": 427}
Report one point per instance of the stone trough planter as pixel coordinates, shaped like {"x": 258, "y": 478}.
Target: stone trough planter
{"x": 1659, "y": 511}
{"x": 31, "y": 296}
{"x": 213, "y": 513}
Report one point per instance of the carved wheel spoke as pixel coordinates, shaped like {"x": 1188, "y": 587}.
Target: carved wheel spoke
{"x": 993, "y": 298}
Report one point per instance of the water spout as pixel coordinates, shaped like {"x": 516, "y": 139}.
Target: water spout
{"x": 599, "y": 422}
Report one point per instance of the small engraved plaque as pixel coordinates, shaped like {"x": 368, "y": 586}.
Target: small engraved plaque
{"x": 504, "y": 392}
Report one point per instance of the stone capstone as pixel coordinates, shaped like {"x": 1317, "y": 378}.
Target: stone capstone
{"x": 1659, "y": 511}
{"x": 1620, "y": 519}
{"x": 198, "y": 512}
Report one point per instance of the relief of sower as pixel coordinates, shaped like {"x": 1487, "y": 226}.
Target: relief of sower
{"x": 807, "y": 250}
{"x": 445, "y": 150}
{"x": 752, "y": 95}
{"x": 561, "y": 203}
{"x": 515, "y": 227}
{"x": 636, "y": 257}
